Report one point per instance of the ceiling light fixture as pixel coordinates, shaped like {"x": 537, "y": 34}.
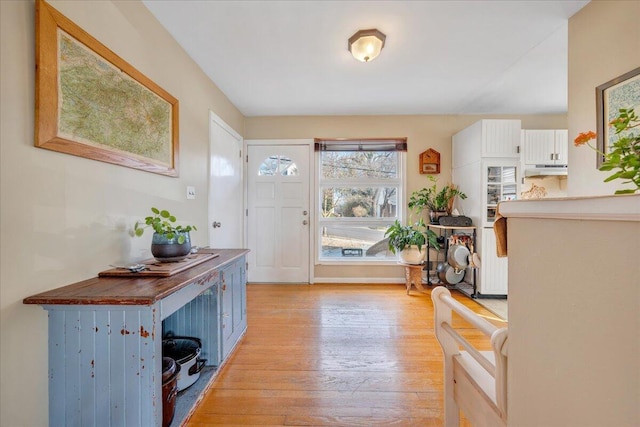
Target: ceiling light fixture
{"x": 366, "y": 45}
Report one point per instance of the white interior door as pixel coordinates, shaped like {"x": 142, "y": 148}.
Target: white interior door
{"x": 278, "y": 213}
{"x": 226, "y": 187}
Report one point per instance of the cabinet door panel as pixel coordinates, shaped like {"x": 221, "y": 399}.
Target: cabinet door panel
{"x": 500, "y": 138}
{"x": 539, "y": 147}
{"x": 494, "y": 270}
{"x": 562, "y": 146}
{"x": 500, "y": 182}
{"x": 226, "y": 311}
{"x": 233, "y": 312}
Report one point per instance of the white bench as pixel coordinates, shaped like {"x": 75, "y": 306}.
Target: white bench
{"x": 474, "y": 381}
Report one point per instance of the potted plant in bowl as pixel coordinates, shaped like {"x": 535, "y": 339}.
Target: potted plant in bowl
{"x": 411, "y": 241}
{"x": 170, "y": 243}
{"x": 437, "y": 202}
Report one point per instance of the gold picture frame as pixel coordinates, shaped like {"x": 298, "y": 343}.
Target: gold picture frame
{"x": 91, "y": 103}
{"x": 621, "y": 92}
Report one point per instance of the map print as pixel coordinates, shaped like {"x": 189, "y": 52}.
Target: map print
{"x": 622, "y": 95}
{"x": 101, "y": 106}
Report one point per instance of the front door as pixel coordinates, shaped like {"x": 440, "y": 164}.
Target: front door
{"x": 278, "y": 213}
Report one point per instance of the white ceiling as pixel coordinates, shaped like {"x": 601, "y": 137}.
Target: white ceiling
{"x": 440, "y": 57}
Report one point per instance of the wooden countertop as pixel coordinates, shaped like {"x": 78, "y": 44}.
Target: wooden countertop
{"x": 133, "y": 291}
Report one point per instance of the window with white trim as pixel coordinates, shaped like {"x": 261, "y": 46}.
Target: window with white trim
{"x": 360, "y": 194}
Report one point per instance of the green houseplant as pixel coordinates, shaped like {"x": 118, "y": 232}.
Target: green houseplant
{"x": 170, "y": 242}
{"x": 623, "y": 156}
{"x": 437, "y": 202}
{"x": 410, "y": 240}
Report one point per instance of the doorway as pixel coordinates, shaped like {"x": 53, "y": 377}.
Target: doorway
{"x": 278, "y": 214}
{"x": 226, "y": 186}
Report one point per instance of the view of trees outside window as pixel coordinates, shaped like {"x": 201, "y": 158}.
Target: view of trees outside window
{"x": 277, "y": 164}
{"x": 358, "y": 200}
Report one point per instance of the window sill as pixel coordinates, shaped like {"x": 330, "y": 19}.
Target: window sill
{"x": 357, "y": 261}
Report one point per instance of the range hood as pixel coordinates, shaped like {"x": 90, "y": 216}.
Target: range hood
{"x": 546, "y": 170}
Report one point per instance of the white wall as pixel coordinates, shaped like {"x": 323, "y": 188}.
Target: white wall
{"x": 65, "y": 218}
{"x": 604, "y": 43}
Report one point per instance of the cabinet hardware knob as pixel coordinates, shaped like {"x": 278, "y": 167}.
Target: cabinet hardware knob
{"x": 216, "y": 224}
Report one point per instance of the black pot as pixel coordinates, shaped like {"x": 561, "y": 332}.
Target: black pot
{"x": 170, "y": 371}
{"x": 169, "y": 250}
{"x": 185, "y": 351}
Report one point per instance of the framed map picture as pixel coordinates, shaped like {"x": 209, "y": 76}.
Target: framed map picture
{"x": 91, "y": 103}
{"x": 621, "y": 92}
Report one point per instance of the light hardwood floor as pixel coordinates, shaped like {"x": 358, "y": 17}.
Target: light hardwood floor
{"x": 334, "y": 355}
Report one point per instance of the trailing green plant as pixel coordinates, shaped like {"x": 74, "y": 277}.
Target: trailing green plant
{"x": 433, "y": 199}
{"x": 623, "y": 156}
{"x": 162, "y": 222}
{"x": 402, "y": 236}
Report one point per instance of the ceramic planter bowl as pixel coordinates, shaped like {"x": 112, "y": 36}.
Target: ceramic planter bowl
{"x": 170, "y": 250}
{"x": 411, "y": 254}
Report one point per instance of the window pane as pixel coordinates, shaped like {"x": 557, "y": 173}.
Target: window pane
{"x": 366, "y": 202}
{"x": 354, "y": 242}
{"x": 509, "y": 174}
{"x": 287, "y": 167}
{"x": 359, "y": 164}
{"x": 269, "y": 166}
{"x": 278, "y": 164}
{"x": 509, "y": 192}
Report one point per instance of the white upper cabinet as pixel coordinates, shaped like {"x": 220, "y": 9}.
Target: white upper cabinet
{"x": 501, "y": 138}
{"x": 486, "y": 139}
{"x": 545, "y": 146}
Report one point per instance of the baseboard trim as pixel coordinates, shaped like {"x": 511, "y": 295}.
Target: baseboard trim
{"x": 352, "y": 280}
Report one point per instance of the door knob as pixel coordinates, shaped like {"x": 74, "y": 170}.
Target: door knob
{"x": 216, "y": 224}
{"x": 305, "y": 222}
{"x": 304, "y": 212}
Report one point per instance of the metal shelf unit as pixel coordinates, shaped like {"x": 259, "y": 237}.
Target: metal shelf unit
{"x": 446, "y": 232}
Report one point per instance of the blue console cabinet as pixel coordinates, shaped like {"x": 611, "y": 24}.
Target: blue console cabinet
{"x": 105, "y": 338}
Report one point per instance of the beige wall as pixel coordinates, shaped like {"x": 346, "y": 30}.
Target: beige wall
{"x": 574, "y": 322}
{"x": 604, "y": 43}
{"x": 423, "y": 132}
{"x": 66, "y": 218}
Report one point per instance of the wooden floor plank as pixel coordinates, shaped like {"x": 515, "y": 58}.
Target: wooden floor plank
{"x": 335, "y": 355}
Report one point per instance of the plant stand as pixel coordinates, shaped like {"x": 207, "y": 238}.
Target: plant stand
{"x": 447, "y": 231}
{"x": 413, "y": 275}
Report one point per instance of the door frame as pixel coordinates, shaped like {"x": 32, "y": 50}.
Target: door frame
{"x": 309, "y": 143}
{"x": 214, "y": 118}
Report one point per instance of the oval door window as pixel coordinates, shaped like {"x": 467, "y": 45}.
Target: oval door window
{"x": 278, "y": 165}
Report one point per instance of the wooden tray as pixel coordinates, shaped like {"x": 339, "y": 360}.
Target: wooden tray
{"x": 161, "y": 269}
